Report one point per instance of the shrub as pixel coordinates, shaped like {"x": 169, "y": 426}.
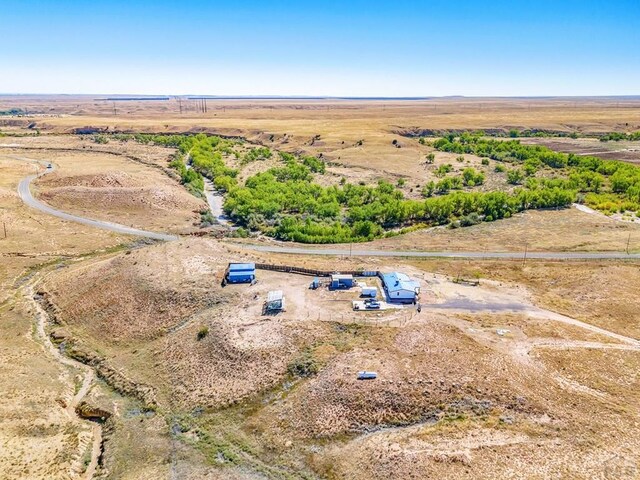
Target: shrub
{"x": 203, "y": 332}
{"x": 442, "y": 170}
{"x": 304, "y": 366}
{"x": 515, "y": 176}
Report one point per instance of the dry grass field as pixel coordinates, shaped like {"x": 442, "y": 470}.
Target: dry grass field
{"x": 530, "y": 374}
{"x": 453, "y": 397}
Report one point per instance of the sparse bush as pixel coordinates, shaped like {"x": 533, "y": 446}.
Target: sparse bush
{"x": 304, "y": 366}
{"x": 515, "y": 176}
{"x": 442, "y": 170}
{"x": 206, "y": 218}
{"x": 202, "y": 333}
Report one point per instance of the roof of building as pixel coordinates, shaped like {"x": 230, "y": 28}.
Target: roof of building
{"x": 340, "y": 276}
{"x": 235, "y": 267}
{"x": 241, "y": 273}
{"x": 274, "y": 296}
{"x": 396, "y": 281}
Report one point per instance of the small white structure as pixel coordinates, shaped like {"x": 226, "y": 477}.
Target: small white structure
{"x": 371, "y": 292}
{"x": 275, "y": 302}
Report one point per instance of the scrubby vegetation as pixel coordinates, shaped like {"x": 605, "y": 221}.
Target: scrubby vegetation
{"x": 535, "y": 133}
{"x": 618, "y": 136}
{"x": 608, "y": 185}
{"x": 287, "y": 203}
{"x": 12, "y": 111}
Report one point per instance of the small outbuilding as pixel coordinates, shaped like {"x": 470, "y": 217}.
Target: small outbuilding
{"x": 400, "y": 288}
{"x": 370, "y": 292}
{"x": 275, "y": 302}
{"x": 339, "y": 281}
{"x": 241, "y": 273}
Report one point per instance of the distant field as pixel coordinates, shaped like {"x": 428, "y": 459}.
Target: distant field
{"x": 295, "y": 125}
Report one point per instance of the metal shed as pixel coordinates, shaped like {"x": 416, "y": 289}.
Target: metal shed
{"x": 341, "y": 281}
{"x": 371, "y": 292}
{"x": 275, "y": 301}
{"x": 241, "y": 272}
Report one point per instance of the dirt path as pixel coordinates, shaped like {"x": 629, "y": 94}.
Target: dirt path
{"x": 214, "y": 197}
{"x": 87, "y": 382}
{"x": 24, "y": 190}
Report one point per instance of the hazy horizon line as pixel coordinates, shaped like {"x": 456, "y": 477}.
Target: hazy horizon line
{"x": 144, "y": 96}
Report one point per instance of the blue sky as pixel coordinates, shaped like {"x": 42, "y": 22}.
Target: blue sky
{"x": 349, "y": 48}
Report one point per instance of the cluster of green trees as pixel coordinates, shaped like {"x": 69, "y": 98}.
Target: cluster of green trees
{"x": 205, "y": 154}
{"x": 534, "y": 133}
{"x": 585, "y": 174}
{"x": 206, "y": 159}
{"x": 258, "y": 153}
{"x": 191, "y": 179}
{"x": 617, "y": 136}
{"x": 470, "y": 177}
{"x": 12, "y": 111}
{"x": 286, "y": 203}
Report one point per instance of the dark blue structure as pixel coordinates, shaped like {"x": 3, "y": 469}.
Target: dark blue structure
{"x": 241, "y": 272}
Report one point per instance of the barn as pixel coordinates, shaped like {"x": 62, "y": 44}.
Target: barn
{"x": 241, "y": 272}
{"x": 400, "y": 288}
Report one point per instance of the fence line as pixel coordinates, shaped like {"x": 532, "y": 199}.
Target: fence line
{"x": 314, "y": 272}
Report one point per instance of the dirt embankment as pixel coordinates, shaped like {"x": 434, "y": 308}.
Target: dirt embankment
{"x": 73, "y": 348}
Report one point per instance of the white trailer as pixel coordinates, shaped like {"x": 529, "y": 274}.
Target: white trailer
{"x": 370, "y": 292}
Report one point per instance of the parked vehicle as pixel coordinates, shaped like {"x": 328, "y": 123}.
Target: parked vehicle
{"x": 373, "y": 305}
{"x": 364, "y": 375}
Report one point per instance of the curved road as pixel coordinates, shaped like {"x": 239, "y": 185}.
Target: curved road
{"x": 24, "y": 191}
{"x": 27, "y": 197}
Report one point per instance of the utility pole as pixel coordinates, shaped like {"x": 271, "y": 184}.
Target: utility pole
{"x": 115, "y": 112}
{"x": 180, "y": 103}
{"x": 4, "y": 225}
{"x": 524, "y": 259}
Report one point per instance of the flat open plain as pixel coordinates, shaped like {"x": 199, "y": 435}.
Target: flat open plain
{"x": 530, "y": 374}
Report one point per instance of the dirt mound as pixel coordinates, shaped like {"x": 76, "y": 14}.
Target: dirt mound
{"x": 424, "y": 375}
{"x": 167, "y": 198}
{"x": 135, "y": 296}
{"x": 114, "y": 179}
{"x": 224, "y": 367}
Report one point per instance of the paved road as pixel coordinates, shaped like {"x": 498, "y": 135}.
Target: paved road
{"x": 409, "y": 253}
{"x": 25, "y": 194}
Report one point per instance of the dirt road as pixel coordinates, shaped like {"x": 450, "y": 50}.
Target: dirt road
{"x": 24, "y": 191}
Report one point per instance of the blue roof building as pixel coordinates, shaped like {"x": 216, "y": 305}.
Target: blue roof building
{"x": 241, "y": 272}
{"x": 400, "y": 288}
